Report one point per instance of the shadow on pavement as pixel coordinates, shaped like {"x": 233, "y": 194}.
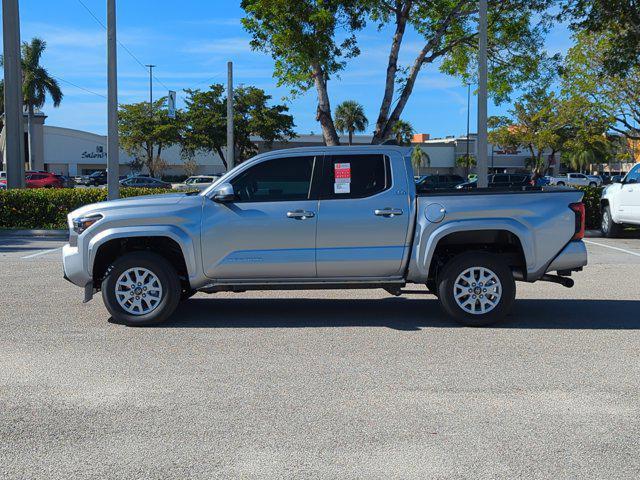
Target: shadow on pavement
{"x": 394, "y": 313}
{"x": 28, "y": 244}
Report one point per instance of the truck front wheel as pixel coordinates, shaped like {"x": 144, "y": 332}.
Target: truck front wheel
{"x": 476, "y": 288}
{"x": 608, "y": 227}
{"x": 140, "y": 289}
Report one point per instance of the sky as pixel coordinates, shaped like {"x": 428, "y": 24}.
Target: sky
{"x": 192, "y": 40}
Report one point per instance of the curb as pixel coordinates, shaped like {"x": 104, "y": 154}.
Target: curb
{"x": 34, "y": 233}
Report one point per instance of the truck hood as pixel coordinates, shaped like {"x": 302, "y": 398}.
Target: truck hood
{"x": 151, "y": 205}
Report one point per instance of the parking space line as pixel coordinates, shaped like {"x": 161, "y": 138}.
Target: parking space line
{"x": 613, "y": 248}
{"x": 33, "y": 255}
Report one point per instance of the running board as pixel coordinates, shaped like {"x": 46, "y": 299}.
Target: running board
{"x": 243, "y": 287}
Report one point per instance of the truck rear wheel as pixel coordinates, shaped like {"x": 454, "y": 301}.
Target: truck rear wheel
{"x": 476, "y": 288}
{"x": 140, "y": 289}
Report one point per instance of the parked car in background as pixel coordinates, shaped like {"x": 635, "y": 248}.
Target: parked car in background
{"x": 576, "y": 180}
{"x": 43, "y": 180}
{"x": 67, "y": 182}
{"x": 500, "y": 180}
{"x": 39, "y": 180}
{"x": 144, "y": 182}
{"x": 3, "y": 174}
{"x": 197, "y": 182}
{"x": 97, "y": 178}
{"x": 620, "y": 203}
{"x": 438, "y": 182}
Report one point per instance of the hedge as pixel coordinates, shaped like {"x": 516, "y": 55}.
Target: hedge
{"x": 47, "y": 208}
{"x": 592, "y": 205}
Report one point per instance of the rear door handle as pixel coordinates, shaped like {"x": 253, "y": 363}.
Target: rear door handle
{"x": 387, "y": 212}
{"x": 300, "y": 214}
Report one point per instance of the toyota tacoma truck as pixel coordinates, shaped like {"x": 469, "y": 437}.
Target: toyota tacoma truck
{"x": 325, "y": 218}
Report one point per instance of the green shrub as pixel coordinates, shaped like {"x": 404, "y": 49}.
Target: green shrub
{"x": 48, "y": 208}
{"x": 592, "y": 206}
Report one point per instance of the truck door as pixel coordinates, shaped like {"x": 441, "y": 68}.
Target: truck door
{"x": 363, "y": 216}
{"x": 269, "y": 231}
{"x": 629, "y": 204}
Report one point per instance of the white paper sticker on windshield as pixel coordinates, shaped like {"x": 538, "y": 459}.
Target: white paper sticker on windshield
{"x": 341, "y": 187}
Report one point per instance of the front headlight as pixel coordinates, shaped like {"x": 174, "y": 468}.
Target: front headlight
{"x": 80, "y": 224}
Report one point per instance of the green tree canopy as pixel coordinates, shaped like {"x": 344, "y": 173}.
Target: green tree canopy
{"x": 302, "y": 37}
{"x": 145, "y": 132}
{"x": 311, "y": 41}
{"x": 350, "y": 118}
{"x": 617, "y": 19}
{"x": 205, "y": 120}
{"x": 608, "y": 95}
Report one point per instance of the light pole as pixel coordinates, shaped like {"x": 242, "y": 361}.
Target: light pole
{"x": 481, "y": 168}
{"x": 468, "y": 115}
{"x": 150, "y": 67}
{"x": 230, "y": 145}
{"x": 113, "y": 147}
{"x": 13, "y": 118}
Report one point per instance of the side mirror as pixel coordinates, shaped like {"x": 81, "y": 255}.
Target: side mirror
{"x": 224, "y": 193}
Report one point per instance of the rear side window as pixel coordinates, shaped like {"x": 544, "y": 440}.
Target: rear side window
{"x": 355, "y": 176}
{"x": 275, "y": 180}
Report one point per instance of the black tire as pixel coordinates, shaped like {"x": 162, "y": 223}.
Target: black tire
{"x": 162, "y": 269}
{"x": 560, "y": 184}
{"x": 608, "y": 227}
{"x": 593, "y": 184}
{"x": 459, "y": 264}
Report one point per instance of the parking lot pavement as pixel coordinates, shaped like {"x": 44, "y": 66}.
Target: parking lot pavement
{"x": 335, "y": 384}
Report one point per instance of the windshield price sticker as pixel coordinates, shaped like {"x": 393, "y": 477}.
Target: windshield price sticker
{"x": 342, "y": 178}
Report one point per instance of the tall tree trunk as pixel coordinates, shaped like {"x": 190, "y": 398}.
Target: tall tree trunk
{"x": 31, "y": 136}
{"x": 350, "y": 137}
{"x": 323, "y": 113}
{"x": 392, "y": 68}
{"x": 221, "y": 155}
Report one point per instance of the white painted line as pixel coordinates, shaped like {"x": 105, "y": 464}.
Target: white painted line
{"x": 613, "y": 248}
{"x": 34, "y": 255}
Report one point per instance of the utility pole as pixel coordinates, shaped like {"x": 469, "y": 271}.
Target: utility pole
{"x": 13, "y": 117}
{"x": 468, "y": 115}
{"x": 230, "y": 145}
{"x": 113, "y": 144}
{"x": 481, "y": 168}
{"x": 150, "y": 67}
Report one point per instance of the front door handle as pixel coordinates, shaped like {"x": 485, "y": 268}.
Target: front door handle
{"x": 387, "y": 212}
{"x": 300, "y": 214}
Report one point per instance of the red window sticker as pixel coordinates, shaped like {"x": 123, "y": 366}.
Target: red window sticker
{"x": 342, "y": 172}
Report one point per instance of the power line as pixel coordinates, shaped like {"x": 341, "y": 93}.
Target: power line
{"x": 124, "y": 47}
{"x": 79, "y": 87}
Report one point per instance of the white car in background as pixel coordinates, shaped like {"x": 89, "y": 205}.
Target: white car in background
{"x": 197, "y": 182}
{"x": 576, "y": 180}
{"x": 620, "y": 204}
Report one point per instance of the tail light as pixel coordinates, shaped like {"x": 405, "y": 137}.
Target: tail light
{"x": 578, "y": 209}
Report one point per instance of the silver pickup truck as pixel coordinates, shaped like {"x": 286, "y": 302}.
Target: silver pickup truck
{"x": 325, "y": 218}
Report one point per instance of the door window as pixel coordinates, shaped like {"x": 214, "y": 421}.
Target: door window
{"x": 275, "y": 180}
{"x": 355, "y": 176}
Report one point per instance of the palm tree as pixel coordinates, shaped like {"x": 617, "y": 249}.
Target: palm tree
{"x": 403, "y": 132}
{"x": 466, "y": 162}
{"x": 36, "y": 84}
{"x": 350, "y": 118}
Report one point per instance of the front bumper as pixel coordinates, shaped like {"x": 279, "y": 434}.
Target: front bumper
{"x": 73, "y": 264}
{"x": 572, "y": 257}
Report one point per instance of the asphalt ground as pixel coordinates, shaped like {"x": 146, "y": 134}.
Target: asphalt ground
{"x": 320, "y": 384}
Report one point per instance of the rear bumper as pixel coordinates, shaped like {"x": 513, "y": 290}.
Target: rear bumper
{"x": 572, "y": 257}
{"x": 74, "y": 267}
